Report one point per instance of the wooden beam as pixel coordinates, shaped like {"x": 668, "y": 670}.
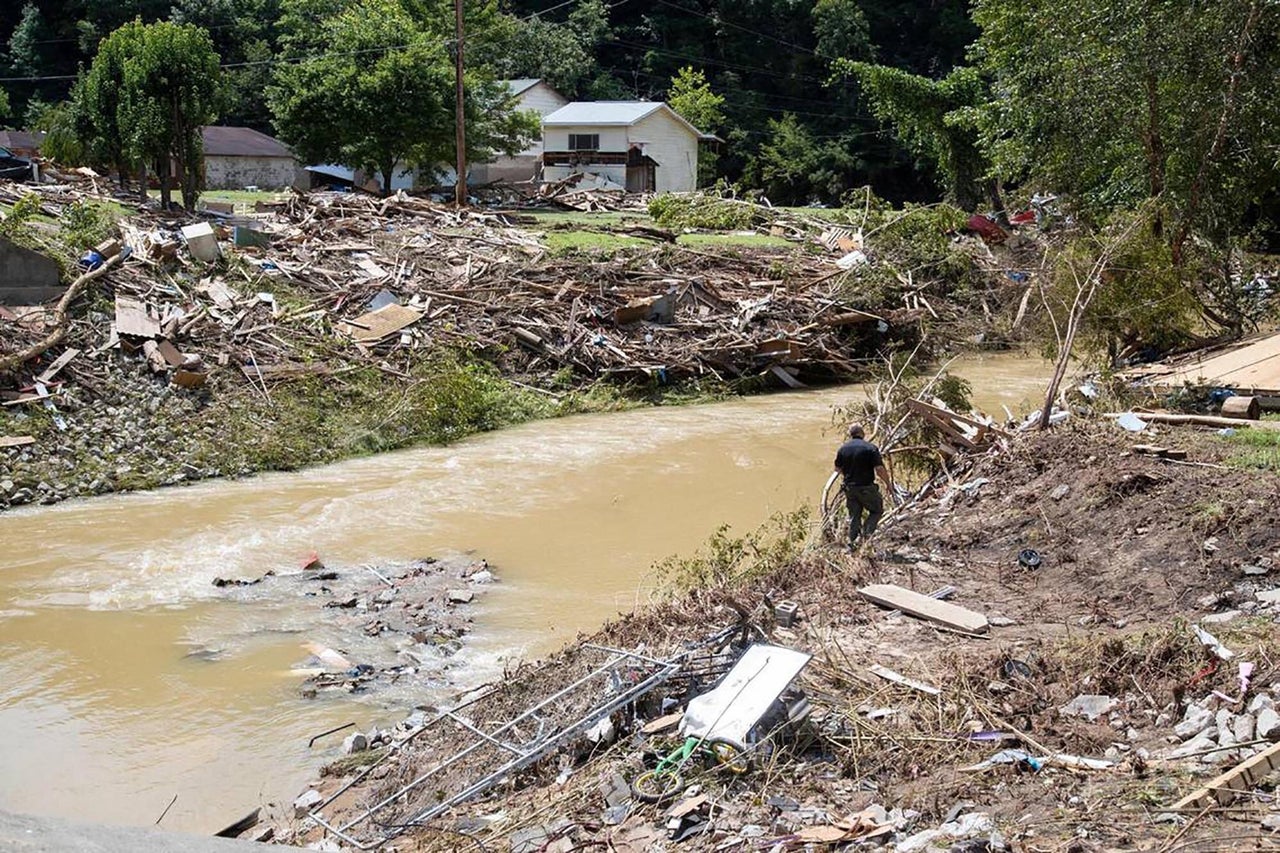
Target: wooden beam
{"x": 924, "y": 607}
{"x": 1223, "y": 789}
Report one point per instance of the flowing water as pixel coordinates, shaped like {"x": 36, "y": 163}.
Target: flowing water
{"x": 127, "y": 678}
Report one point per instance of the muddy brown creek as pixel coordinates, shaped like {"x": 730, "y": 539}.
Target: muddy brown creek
{"x": 126, "y": 677}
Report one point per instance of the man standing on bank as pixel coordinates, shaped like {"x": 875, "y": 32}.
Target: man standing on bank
{"x": 860, "y": 463}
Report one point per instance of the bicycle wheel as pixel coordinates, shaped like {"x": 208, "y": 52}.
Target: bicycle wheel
{"x": 655, "y": 786}
{"x": 729, "y": 755}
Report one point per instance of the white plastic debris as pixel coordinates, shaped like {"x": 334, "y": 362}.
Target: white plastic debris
{"x": 1131, "y": 422}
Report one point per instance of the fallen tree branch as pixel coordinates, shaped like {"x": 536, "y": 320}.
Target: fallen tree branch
{"x": 59, "y": 317}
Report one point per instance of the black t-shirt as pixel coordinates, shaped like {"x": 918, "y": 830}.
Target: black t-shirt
{"x": 857, "y": 460}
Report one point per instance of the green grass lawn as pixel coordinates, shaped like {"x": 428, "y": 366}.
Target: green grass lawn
{"x": 759, "y": 241}
{"x": 563, "y": 242}
{"x": 552, "y": 218}
{"x": 1255, "y": 448}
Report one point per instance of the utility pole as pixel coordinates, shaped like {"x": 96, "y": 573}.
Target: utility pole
{"x": 460, "y": 188}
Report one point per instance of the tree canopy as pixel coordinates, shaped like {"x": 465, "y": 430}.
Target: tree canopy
{"x": 375, "y": 90}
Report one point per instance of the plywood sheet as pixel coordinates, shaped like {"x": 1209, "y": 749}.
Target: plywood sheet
{"x": 924, "y": 607}
{"x": 132, "y": 319}
{"x": 1253, "y": 366}
{"x": 377, "y": 325}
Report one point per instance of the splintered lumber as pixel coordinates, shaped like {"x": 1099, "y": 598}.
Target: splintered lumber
{"x": 58, "y": 363}
{"x": 1223, "y": 789}
{"x": 1159, "y": 452}
{"x": 16, "y": 440}
{"x": 1198, "y": 420}
{"x": 376, "y": 325}
{"x": 924, "y": 607}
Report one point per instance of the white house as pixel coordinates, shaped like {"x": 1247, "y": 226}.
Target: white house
{"x": 641, "y": 145}
{"x": 534, "y": 95}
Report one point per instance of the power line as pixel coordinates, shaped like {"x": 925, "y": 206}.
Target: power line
{"x": 737, "y": 66}
{"x": 721, "y": 20}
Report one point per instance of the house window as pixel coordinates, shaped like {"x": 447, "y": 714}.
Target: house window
{"x": 584, "y": 142}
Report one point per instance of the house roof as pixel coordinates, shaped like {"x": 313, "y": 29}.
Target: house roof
{"x": 21, "y": 139}
{"x": 521, "y": 85}
{"x": 220, "y": 141}
{"x": 614, "y": 114}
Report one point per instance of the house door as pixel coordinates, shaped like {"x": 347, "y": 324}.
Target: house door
{"x": 640, "y": 179}
{"x": 641, "y": 172}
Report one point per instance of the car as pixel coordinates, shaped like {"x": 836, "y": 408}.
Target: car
{"x": 13, "y": 167}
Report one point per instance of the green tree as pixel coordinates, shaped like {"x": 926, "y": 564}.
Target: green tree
{"x": 243, "y": 33}
{"x": 560, "y": 53}
{"x": 25, "y": 42}
{"x": 171, "y": 90}
{"x": 934, "y": 118}
{"x": 380, "y": 97}
{"x": 61, "y": 141}
{"x": 97, "y": 98}
{"x": 691, "y": 96}
{"x": 1137, "y": 99}
{"x": 841, "y": 29}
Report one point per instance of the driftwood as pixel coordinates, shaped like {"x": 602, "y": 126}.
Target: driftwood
{"x": 59, "y": 330}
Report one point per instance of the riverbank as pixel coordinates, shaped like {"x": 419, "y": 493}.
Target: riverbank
{"x": 326, "y": 327}
{"x": 571, "y": 513}
{"x": 1113, "y": 677}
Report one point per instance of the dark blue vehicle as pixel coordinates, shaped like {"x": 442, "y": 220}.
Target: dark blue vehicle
{"x": 13, "y": 167}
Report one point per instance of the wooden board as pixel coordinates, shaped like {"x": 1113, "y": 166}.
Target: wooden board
{"x": 57, "y": 365}
{"x": 16, "y": 440}
{"x": 1238, "y": 779}
{"x": 924, "y": 607}
{"x": 377, "y": 325}
{"x": 132, "y": 319}
{"x": 1254, "y": 366}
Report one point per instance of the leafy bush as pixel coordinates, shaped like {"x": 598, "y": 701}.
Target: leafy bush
{"x": 729, "y": 560}
{"x": 84, "y": 224}
{"x": 699, "y": 210}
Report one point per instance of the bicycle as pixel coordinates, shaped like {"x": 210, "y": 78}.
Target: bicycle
{"x": 664, "y": 781}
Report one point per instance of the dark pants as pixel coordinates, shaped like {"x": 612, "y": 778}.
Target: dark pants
{"x": 862, "y": 499}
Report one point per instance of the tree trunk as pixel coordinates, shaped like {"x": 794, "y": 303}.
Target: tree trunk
{"x": 1154, "y": 144}
{"x": 142, "y": 183}
{"x": 388, "y": 169}
{"x": 166, "y": 186}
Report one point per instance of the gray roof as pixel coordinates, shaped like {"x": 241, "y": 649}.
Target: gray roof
{"x": 613, "y": 113}
{"x": 521, "y": 85}
{"x": 221, "y": 141}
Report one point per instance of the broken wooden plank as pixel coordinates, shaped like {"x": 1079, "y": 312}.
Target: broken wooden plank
{"x": 16, "y": 440}
{"x": 787, "y": 379}
{"x": 133, "y": 319}
{"x": 924, "y": 607}
{"x": 57, "y": 365}
{"x": 1224, "y": 788}
{"x": 898, "y": 678}
{"x": 662, "y": 723}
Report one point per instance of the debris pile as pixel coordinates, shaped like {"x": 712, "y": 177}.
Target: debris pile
{"x": 1022, "y": 703}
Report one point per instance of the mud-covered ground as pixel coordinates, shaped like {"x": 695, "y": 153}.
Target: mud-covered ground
{"x": 1075, "y": 723}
